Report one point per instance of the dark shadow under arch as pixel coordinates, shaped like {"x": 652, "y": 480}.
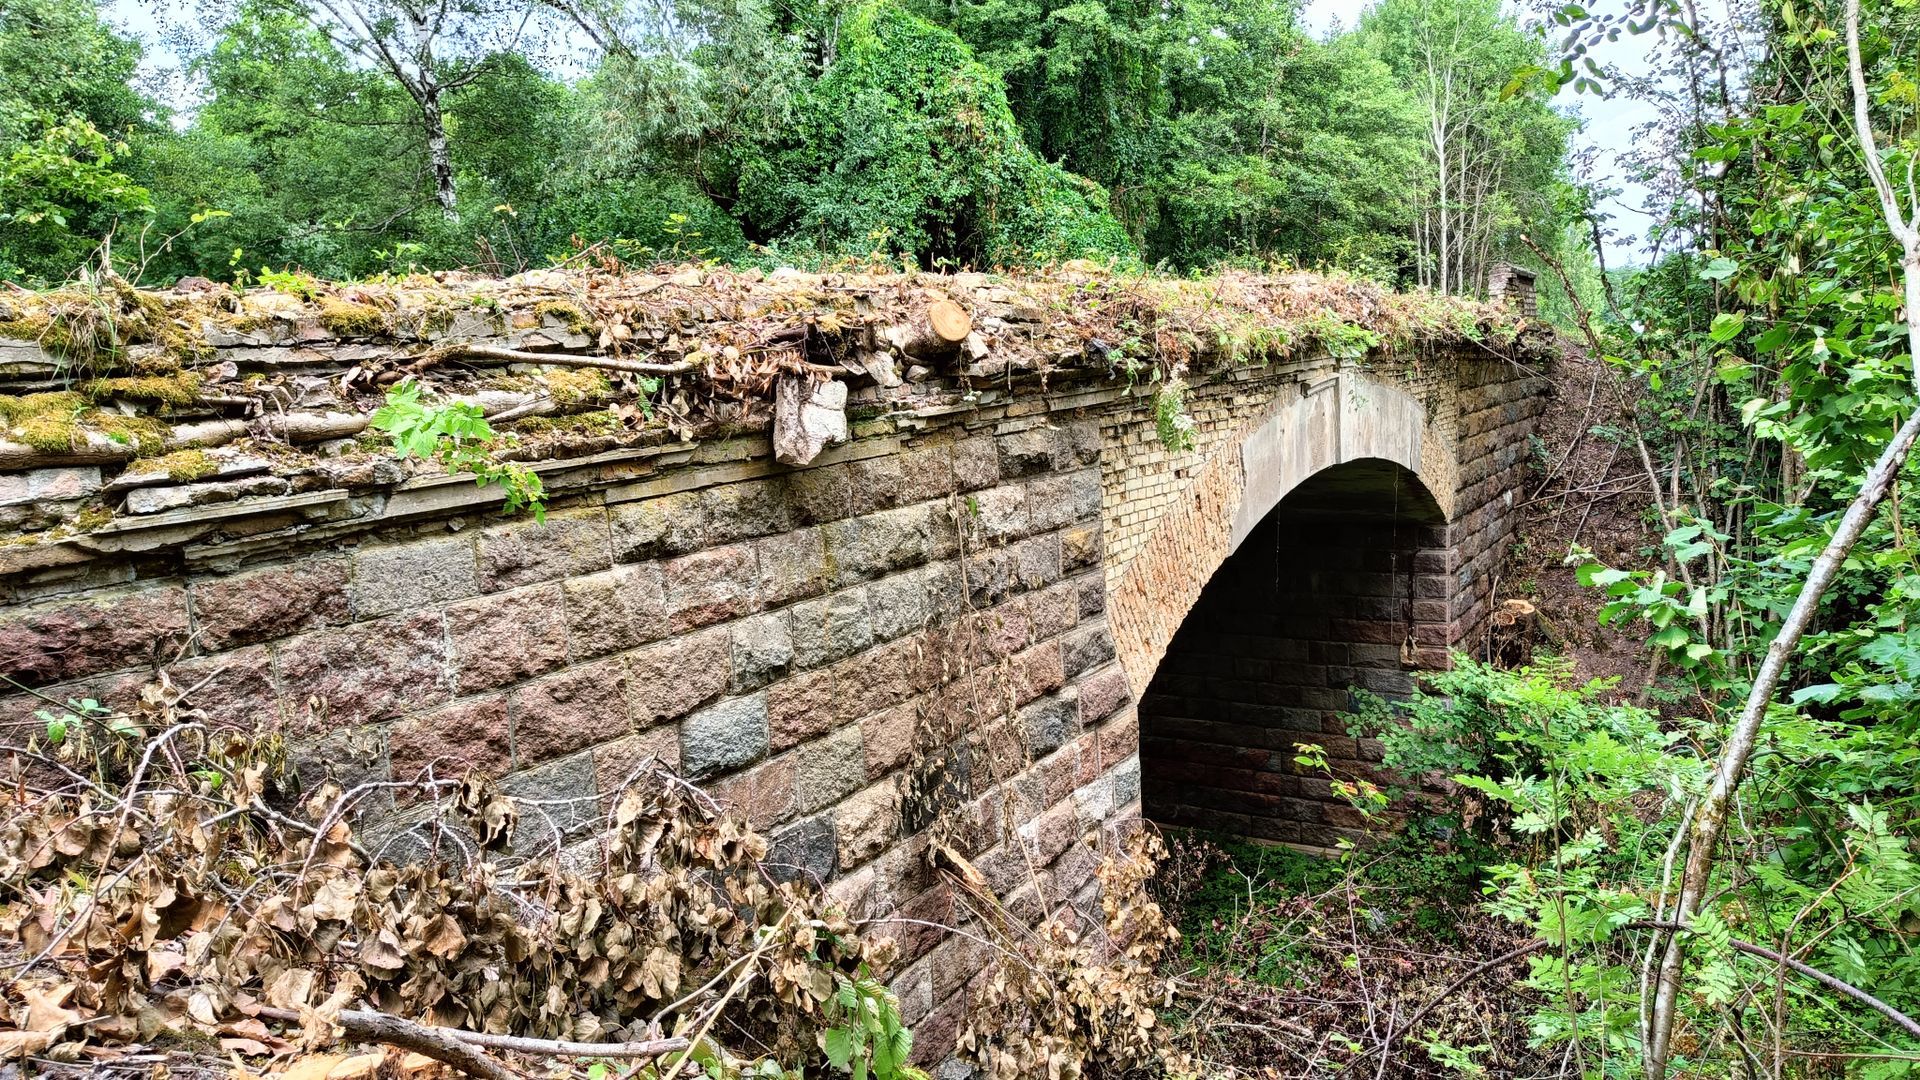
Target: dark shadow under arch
{"x": 1343, "y": 584}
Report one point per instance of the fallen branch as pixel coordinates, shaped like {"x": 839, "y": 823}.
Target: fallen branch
{"x": 436, "y": 1042}
{"x": 441, "y": 1044}
{"x": 522, "y": 356}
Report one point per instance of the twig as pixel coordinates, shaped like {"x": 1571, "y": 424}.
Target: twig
{"x": 378, "y": 1027}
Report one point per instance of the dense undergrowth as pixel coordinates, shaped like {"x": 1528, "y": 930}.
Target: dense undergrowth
{"x": 1506, "y": 929}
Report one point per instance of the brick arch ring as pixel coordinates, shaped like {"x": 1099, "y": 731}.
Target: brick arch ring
{"x": 1349, "y": 418}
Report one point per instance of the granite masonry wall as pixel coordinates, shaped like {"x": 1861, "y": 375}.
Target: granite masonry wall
{"x": 947, "y": 621}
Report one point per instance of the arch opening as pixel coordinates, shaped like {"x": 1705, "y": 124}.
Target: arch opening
{"x": 1344, "y": 584}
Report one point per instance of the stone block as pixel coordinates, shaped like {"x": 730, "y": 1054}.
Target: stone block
{"x": 614, "y": 763}
{"x": 570, "y": 711}
{"x": 800, "y": 708}
{"x": 273, "y": 603}
{"x": 830, "y": 629}
{"x": 1030, "y": 452}
{"x": 1102, "y": 694}
{"x": 877, "y": 483}
{"x": 234, "y": 689}
{"x": 723, "y": 737}
{"x": 409, "y": 576}
{"x": 676, "y": 676}
{"x": 69, "y": 638}
{"x": 997, "y": 515}
{"x": 879, "y": 678}
{"x": 712, "y": 586}
{"x": 49, "y": 485}
{"x": 1049, "y": 723}
{"x": 764, "y": 795}
{"x": 976, "y": 463}
{"x": 569, "y": 543}
{"x": 557, "y": 806}
{"x": 1063, "y": 499}
{"x": 1080, "y": 547}
{"x": 658, "y": 528}
{"x": 746, "y": 510}
{"x": 926, "y": 472}
{"x": 898, "y": 605}
{"x": 159, "y": 500}
{"x": 830, "y": 769}
{"x": 507, "y": 637}
{"x": 762, "y": 651}
{"x": 821, "y": 495}
{"x": 1036, "y": 561}
{"x": 1086, "y": 648}
{"x": 367, "y": 671}
{"x": 793, "y": 566}
{"x": 806, "y": 849}
{"x": 470, "y": 736}
{"x": 866, "y": 823}
{"x": 1037, "y": 671}
{"x": 881, "y": 543}
{"x": 349, "y": 757}
{"x": 887, "y": 737}
{"x": 615, "y": 610}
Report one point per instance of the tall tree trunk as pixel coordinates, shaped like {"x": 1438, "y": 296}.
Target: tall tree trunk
{"x": 438, "y": 155}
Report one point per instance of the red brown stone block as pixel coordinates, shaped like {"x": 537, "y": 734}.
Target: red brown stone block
{"x": 367, "y": 671}
{"x": 555, "y": 716}
{"x": 507, "y": 637}
{"x": 266, "y": 604}
{"x": 470, "y": 736}
{"x": 678, "y": 675}
{"x": 68, "y": 638}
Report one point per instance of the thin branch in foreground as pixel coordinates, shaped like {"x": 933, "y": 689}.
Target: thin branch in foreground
{"x": 462, "y": 1049}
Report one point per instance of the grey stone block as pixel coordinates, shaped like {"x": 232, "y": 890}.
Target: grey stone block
{"x": 557, "y": 806}
{"x": 831, "y": 628}
{"x": 806, "y": 849}
{"x": 724, "y": 737}
{"x": 831, "y": 769}
{"x": 408, "y": 576}
{"x": 762, "y": 651}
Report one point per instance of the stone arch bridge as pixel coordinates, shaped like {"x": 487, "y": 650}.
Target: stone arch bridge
{"x": 1000, "y": 597}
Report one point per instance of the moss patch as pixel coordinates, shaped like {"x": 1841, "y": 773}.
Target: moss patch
{"x": 598, "y": 422}
{"x": 58, "y": 421}
{"x": 575, "y": 386}
{"x": 575, "y": 319}
{"x": 183, "y": 465}
{"x": 349, "y": 319}
{"x": 179, "y": 388}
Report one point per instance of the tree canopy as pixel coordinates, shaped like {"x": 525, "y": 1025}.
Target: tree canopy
{"x": 350, "y": 137}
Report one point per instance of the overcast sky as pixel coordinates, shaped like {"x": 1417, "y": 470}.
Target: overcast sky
{"x": 1609, "y": 124}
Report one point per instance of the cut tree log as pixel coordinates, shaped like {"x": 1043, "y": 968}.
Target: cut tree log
{"x": 939, "y": 331}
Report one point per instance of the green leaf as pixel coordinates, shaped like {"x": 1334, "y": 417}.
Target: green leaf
{"x": 839, "y": 1046}
{"x": 1727, "y": 326}
{"x": 1720, "y": 269}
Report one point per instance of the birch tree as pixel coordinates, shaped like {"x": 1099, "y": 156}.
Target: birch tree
{"x": 431, "y": 48}
{"x": 1901, "y": 213}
